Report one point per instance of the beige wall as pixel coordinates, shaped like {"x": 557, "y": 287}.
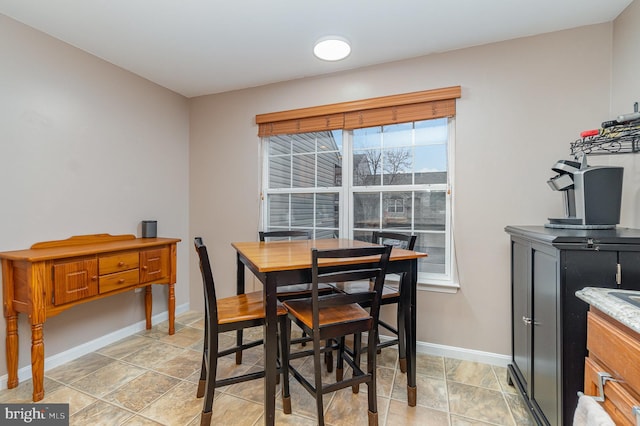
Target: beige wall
{"x": 87, "y": 148}
{"x": 625, "y": 90}
{"x": 523, "y": 102}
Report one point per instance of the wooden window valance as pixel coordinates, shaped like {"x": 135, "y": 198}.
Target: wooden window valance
{"x": 380, "y": 111}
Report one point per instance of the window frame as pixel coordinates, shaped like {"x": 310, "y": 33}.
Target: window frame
{"x": 347, "y": 116}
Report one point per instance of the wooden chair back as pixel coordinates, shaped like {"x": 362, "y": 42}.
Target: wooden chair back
{"x": 365, "y": 270}
{"x": 210, "y": 301}
{"x": 394, "y": 239}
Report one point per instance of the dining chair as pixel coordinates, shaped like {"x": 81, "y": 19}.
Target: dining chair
{"x": 337, "y": 315}
{"x": 231, "y": 314}
{"x": 295, "y": 291}
{"x": 390, "y": 296}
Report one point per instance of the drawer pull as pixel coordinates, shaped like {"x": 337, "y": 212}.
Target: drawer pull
{"x": 602, "y": 379}
{"x": 121, "y": 263}
{"x": 121, "y": 280}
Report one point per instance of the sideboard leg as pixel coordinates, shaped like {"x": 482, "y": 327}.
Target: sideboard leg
{"x": 148, "y": 302}
{"x": 12, "y": 342}
{"x": 37, "y": 361}
{"x": 172, "y": 308}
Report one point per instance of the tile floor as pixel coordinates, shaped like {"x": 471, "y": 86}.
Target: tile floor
{"x": 151, "y": 378}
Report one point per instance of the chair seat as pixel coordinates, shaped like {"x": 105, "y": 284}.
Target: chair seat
{"x": 334, "y": 315}
{"x": 301, "y": 290}
{"x": 362, "y": 286}
{"x": 244, "y": 307}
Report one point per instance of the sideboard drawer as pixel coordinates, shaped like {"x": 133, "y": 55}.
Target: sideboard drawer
{"x": 74, "y": 280}
{"x": 118, "y": 280}
{"x": 118, "y": 262}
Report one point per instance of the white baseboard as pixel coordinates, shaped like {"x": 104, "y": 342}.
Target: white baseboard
{"x": 85, "y": 348}
{"x": 459, "y": 353}
{"x": 499, "y": 360}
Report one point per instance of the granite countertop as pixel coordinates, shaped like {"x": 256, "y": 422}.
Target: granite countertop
{"x": 617, "y": 307}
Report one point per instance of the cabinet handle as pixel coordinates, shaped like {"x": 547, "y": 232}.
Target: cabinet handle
{"x": 144, "y": 268}
{"x": 526, "y": 321}
{"x": 94, "y": 278}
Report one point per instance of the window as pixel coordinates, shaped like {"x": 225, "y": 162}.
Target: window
{"x": 361, "y": 175}
{"x": 303, "y": 181}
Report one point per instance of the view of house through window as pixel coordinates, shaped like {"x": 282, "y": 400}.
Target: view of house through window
{"x": 348, "y": 183}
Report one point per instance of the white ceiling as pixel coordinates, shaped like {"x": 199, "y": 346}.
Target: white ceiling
{"x": 199, "y": 47}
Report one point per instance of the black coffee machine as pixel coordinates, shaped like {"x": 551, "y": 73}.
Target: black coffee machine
{"x": 592, "y": 195}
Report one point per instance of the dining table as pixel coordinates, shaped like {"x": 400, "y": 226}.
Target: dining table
{"x": 278, "y": 263}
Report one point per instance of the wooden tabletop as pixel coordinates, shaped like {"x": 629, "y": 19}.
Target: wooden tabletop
{"x": 296, "y": 254}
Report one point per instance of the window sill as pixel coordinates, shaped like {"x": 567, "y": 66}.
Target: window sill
{"x": 439, "y": 286}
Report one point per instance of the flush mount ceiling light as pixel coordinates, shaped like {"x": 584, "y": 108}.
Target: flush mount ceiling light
{"x": 332, "y": 48}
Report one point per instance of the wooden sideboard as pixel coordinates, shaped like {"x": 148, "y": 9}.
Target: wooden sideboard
{"x": 54, "y": 276}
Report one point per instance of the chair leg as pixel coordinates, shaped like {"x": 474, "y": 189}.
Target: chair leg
{"x": 202, "y": 383}
{"x": 239, "y": 343}
{"x": 373, "y": 418}
{"x": 212, "y": 364}
{"x": 285, "y": 341}
{"x": 357, "y": 354}
{"x": 371, "y": 385}
{"x": 340, "y": 361}
{"x": 205, "y": 419}
{"x": 318, "y": 380}
{"x": 328, "y": 357}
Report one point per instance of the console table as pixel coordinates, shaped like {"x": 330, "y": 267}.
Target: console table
{"x": 54, "y": 276}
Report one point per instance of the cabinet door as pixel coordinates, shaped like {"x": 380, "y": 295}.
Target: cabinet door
{"x": 154, "y": 265}
{"x": 521, "y": 314}
{"x": 629, "y": 270}
{"x": 74, "y": 280}
{"x": 545, "y": 361}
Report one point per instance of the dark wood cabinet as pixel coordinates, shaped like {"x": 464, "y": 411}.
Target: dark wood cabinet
{"x": 548, "y": 321}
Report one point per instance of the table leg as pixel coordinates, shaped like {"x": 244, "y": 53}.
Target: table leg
{"x": 403, "y": 305}
{"x": 148, "y": 302}
{"x": 239, "y": 290}
{"x": 172, "y": 309}
{"x": 271, "y": 349}
{"x": 410, "y": 331}
{"x": 37, "y": 361}
{"x": 12, "y": 342}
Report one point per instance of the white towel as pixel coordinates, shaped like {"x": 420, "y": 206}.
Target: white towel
{"x": 590, "y": 413}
